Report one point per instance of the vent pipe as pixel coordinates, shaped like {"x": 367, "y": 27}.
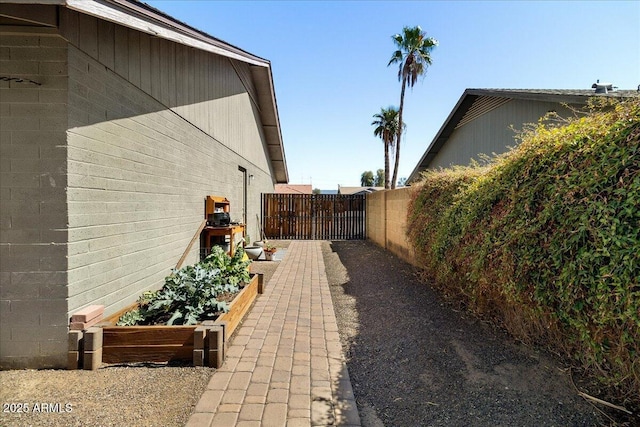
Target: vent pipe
{"x": 603, "y": 87}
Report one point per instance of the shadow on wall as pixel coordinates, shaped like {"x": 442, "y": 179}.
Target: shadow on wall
{"x": 173, "y": 74}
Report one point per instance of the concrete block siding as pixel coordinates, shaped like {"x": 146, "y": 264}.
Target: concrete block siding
{"x": 387, "y": 221}
{"x": 376, "y": 224}
{"x": 397, "y": 209}
{"x": 104, "y": 176}
{"x": 33, "y": 237}
{"x": 137, "y": 182}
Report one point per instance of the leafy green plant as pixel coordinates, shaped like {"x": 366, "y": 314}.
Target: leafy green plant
{"x": 193, "y": 293}
{"x": 130, "y": 318}
{"x": 546, "y": 240}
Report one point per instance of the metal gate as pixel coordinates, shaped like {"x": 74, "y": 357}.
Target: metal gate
{"x": 314, "y": 216}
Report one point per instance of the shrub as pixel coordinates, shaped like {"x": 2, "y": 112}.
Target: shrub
{"x": 546, "y": 241}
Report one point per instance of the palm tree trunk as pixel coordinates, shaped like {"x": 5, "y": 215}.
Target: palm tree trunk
{"x": 397, "y": 162}
{"x": 386, "y": 164}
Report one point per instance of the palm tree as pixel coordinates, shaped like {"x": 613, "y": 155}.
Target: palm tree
{"x": 379, "y": 179}
{"x": 366, "y": 179}
{"x": 413, "y": 55}
{"x": 386, "y": 123}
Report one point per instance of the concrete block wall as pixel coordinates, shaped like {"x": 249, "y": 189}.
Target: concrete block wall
{"x": 376, "y": 220}
{"x": 138, "y": 175}
{"x": 33, "y": 213}
{"x": 396, "y": 214}
{"x": 387, "y": 221}
{"x": 212, "y": 93}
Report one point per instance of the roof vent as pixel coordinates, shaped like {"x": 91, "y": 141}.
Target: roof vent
{"x": 603, "y": 87}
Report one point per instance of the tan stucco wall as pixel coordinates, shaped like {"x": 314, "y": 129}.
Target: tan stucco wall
{"x": 387, "y": 219}
{"x": 376, "y": 222}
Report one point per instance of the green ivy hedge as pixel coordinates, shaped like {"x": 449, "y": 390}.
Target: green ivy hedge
{"x": 546, "y": 240}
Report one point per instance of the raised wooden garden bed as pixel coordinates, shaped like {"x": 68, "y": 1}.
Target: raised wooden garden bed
{"x": 203, "y": 344}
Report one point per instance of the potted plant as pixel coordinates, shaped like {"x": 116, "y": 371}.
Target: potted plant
{"x": 253, "y": 252}
{"x": 269, "y": 251}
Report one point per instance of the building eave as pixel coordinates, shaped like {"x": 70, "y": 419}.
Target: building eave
{"x": 144, "y": 18}
{"x": 269, "y": 117}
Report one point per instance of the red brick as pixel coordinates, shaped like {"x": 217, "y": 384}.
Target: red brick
{"x": 87, "y": 314}
{"x": 82, "y": 326}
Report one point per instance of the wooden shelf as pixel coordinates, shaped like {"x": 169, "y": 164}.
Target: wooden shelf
{"x": 230, "y": 230}
{"x": 216, "y": 204}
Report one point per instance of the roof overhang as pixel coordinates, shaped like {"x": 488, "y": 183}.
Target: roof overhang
{"x": 144, "y": 18}
{"x": 263, "y": 81}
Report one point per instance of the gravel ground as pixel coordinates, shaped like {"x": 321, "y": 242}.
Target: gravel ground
{"x": 143, "y": 395}
{"x": 415, "y": 361}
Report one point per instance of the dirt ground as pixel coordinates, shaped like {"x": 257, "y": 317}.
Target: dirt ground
{"x": 415, "y": 361}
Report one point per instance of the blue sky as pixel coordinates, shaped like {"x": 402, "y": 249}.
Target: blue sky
{"x": 329, "y": 62}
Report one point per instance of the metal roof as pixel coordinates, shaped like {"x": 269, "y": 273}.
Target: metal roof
{"x": 475, "y": 102}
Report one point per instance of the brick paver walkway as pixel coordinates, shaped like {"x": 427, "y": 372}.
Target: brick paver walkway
{"x": 285, "y": 366}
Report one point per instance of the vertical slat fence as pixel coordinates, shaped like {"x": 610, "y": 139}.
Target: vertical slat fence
{"x": 314, "y": 216}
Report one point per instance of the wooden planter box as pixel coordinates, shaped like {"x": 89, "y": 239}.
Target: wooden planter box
{"x": 204, "y": 344}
